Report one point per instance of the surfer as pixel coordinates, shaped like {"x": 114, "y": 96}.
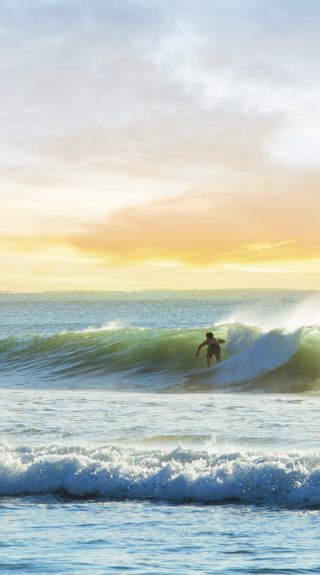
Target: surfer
{"x": 214, "y": 348}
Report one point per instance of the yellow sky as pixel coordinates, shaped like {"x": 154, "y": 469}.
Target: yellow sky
{"x": 161, "y": 145}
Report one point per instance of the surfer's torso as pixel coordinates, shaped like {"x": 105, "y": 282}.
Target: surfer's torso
{"x": 213, "y": 347}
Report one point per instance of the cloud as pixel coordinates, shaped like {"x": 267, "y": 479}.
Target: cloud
{"x": 93, "y": 82}
{"x": 272, "y": 218}
{"x": 181, "y": 140}
{"x": 207, "y": 227}
{"x": 203, "y": 93}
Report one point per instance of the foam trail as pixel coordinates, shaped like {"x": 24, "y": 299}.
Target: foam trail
{"x": 116, "y": 472}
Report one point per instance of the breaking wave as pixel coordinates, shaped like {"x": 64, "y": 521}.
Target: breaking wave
{"x": 121, "y": 473}
{"x": 165, "y": 358}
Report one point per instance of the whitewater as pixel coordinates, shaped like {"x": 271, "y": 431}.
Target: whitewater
{"x": 120, "y": 450}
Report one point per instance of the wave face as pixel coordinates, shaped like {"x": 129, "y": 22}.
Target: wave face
{"x": 121, "y": 473}
{"x": 165, "y": 358}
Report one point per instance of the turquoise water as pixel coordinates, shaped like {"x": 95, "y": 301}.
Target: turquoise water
{"x": 120, "y": 451}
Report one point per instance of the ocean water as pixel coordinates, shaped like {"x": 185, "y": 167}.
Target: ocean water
{"x": 121, "y": 452}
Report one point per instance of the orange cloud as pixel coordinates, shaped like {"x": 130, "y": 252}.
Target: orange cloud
{"x": 204, "y": 228}
{"x": 278, "y": 222}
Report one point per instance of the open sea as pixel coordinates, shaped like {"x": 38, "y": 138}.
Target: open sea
{"x": 121, "y": 452}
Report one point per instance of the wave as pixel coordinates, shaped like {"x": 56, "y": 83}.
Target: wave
{"x": 275, "y": 360}
{"x": 122, "y": 473}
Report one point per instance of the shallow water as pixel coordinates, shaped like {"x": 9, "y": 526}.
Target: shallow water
{"x": 119, "y": 453}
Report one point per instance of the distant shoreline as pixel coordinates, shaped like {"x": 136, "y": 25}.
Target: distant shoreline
{"x": 162, "y": 291}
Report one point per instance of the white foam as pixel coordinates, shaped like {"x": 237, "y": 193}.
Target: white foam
{"x": 117, "y": 472}
{"x": 260, "y": 355}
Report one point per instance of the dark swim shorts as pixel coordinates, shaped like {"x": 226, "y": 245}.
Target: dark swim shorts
{"x": 214, "y": 349}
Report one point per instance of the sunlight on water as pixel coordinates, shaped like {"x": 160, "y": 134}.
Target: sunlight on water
{"x": 121, "y": 450}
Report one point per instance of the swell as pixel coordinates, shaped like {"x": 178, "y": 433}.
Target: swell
{"x": 274, "y": 360}
{"x": 181, "y": 475}
{"x": 116, "y": 350}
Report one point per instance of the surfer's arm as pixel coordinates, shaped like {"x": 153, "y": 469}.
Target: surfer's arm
{"x": 200, "y": 346}
{"x": 221, "y": 340}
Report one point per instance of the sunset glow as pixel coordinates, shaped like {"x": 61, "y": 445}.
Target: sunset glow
{"x": 159, "y": 145}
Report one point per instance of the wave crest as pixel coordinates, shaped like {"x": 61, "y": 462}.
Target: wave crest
{"x": 117, "y": 472}
{"x": 275, "y": 360}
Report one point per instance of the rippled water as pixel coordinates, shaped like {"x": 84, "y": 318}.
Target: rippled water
{"x": 120, "y": 452}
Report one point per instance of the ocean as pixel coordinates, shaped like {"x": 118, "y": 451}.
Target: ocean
{"x": 121, "y": 452}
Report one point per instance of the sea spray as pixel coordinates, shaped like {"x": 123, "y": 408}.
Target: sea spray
{"x": 262, "y": 354}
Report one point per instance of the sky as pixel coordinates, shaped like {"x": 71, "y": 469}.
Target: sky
{"x": 159, "y": 144}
